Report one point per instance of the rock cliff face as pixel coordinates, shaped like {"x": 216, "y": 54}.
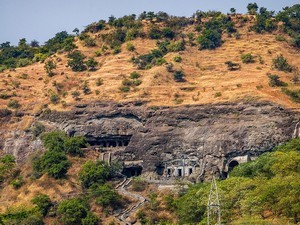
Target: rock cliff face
{"x": 191, "y": 141}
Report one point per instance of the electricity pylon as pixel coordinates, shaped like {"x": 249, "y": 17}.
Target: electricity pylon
{"x": 213, "y": 205}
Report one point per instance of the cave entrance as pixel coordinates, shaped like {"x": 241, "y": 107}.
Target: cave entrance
{"x": 190, "y": 171}
{"x": 232, "y": 164}
{"x": 132, "y": 171}
{"x": 112, "y": 141}
{"x": 160, "y": 170}
{"x": 180, "y": 172}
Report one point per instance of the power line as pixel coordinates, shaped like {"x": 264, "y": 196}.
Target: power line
{"x": 213, "y": 205}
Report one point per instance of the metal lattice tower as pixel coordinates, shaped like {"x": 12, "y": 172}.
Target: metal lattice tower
{"x": 213, "y": 205}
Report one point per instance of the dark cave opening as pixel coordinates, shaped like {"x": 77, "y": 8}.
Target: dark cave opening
{"x": 132, "y": 171}
{"x": 232, "y": 164}
{"x": 109, "y": 141}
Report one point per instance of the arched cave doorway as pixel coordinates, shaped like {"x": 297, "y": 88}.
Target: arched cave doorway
{"x": 132, "y": 171}
{"x": 231, "y": 165}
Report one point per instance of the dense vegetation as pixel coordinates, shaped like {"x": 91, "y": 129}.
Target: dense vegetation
{"x": 266, "y": 188}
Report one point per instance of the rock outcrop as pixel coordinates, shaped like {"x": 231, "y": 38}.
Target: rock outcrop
{"x": 210, "y": 135}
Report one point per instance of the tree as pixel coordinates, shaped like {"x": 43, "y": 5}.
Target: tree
{"x": 76, "y": 61}
{"x": 210, "y": 39}
{"x": 179, "y": 76}
{"x": 55, "y": 164}
{"x": 49, "y": 66}
{"x": 73, "y": 145}
{"x": 94, "y": 173}
{"x": 43, "y": 203}
{"x": 232, "y": 11}
{"x": 90, "y": 219}
{"x": 76, "y": 31}
{"x": 72, "y": 211}
{"x": 54, "y": 141}
{"x": 252, "y": 8}
{"x": 91, "y": 64}
{"x": 105, "y": 195}
{"x": 34, "y": 44}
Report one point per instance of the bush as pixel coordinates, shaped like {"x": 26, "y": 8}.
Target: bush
{"x": 37, "y": 129}
{"x": 281, "y": 64}
{"x": 167, "y": 32}
{"x": 296, "y": 41}
{"x": 90, "y": 42}
{"x": 124, "y": 89}
{"x": 94, "y": 173}
{"x": 55, "y": 164}
{"x": 91, "y": 64}
{"x": 293, "y": 94}
{"x": 90, "y": 219}
{"x": 232, "y": 66}
{"x": 105, "y": 195}
{"x": 135, "y": 75}
{"x": 75, "y": 95}
{"x": 54, "y": 98}
{"x": 179, "y": 76}
{"x": 177, "y": 58}
{"x": 73, "y": 145}
{"x": 136, "y": 82}
{"x": 72, "y": 211}
{"x": 210, "y": 39}
{"x": 99, "y": 81}
{"x": 130, "y": 47}
{"x": 18, "y": 182}
{"x": 154, "y": 33}
{"x": 14, "y": 104}
{"x": 176, "y": 46}
{"x": 247, "y": 58}
{"x": 43, "y": 203}
{"x": 275, "y": 81}
{"x": 76, "y": 61}
{"x": 49, "y": 66}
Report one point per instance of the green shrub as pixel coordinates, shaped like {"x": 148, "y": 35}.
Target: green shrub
{"x": 279, "y": 38}
{"x": 167, "y": 32}
{"x": 296, "y": 41}
{"x": 210, "y": 39}
{"x": 177, "y": 58}
{"x": 274, "y": 81}
{"x": 72, "y": 211}
{"x": 124, "y": 88}
{"x": 73, "y": 145}
{"x": 247, "y": 58}
{"x": 90, "y": 219}
{"x": 218, "y": 94}
{"x": 54, "y": 98}
{"x": 91, "y": 63}
{"x": 23, "y": 62}
{"x": 179, "y": 76}
{"x": 135, "y": 75}
{"x": 37, "y": 129}
{"x": 76, "y": 61}
{"x": 49, "y": 66}
{"x": 130, "y": 47}
{"x": 136, "y": 82}
{"x": 90, "y": 42}
{"x": 105, "y": 195}
{"x": 176, "y": 46}
{"x": 14, "y": 104}
{"x": 282, "y": 64}
{"x": 55, "y": 164}
{"x": 117, "y": 50}
{"x": 43, "y": 203}
{"x": 99, "y": 81}
{"x": 94, "y": 173}
{"x": 154, "y": 33}
{"x": 4, "y": 96}
{"x": 18, "y": 182}
{"x": 75, "y": 95}
{"x": 232, "y": 66}
{"x": 127, "y": 82}
{"x": 293, "y": 94}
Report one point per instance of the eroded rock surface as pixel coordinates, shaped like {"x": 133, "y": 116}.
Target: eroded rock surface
{"x": 209, "y": 134}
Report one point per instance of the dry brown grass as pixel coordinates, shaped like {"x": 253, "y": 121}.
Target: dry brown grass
{"x": 206, "y": 75}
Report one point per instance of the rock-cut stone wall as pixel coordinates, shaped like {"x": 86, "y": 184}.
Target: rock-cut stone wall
{"x": 207, "y": 135}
